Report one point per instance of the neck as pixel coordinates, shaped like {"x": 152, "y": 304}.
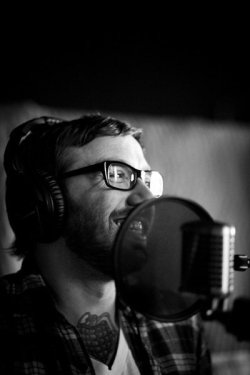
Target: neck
{"x": 77, "y": 289}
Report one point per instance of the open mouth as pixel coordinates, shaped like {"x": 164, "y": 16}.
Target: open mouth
{"x": 136, "y": 226}
{"x": 119, "y": 222}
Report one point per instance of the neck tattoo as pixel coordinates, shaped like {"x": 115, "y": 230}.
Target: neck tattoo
{"x": 99, "y": 335}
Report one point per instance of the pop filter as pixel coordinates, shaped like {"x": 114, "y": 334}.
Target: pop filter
{"x": 148, "y": 258}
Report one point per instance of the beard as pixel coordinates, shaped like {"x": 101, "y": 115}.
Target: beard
{"x": 89, "y": 235}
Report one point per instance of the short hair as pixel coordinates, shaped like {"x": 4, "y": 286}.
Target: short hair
{"x": 44, "y": 151}
{"x": 46, "y": 148}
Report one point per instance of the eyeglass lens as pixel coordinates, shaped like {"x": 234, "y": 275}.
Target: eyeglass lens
{"x": 123, "y": 177}
{"x": 120, "y": 176}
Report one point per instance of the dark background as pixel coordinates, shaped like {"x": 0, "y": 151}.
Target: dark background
{"x": 132, "y": 72}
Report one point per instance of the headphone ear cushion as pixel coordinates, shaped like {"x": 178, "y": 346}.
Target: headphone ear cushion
{"x": 51, "y": 207}
{"x": 35, "y": 206}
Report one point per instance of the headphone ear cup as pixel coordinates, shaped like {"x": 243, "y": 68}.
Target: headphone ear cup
{"x": 50, "y": 207}
{"x": 35, "y": 206}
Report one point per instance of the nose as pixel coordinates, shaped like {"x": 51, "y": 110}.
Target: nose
{"x": 139, "y": 194}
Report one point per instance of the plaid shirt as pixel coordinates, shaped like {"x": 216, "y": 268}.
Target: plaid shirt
{"x": 36, "y": 339}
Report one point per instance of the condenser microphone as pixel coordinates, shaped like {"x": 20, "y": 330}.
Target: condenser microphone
{"x": 183, "y": 264}
{"x": 207, "y": 268}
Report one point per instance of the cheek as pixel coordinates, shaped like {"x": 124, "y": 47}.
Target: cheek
{"x": 105, "y": 206}
{"x": 100, "y": 206}
{"x": 108, "y": 199}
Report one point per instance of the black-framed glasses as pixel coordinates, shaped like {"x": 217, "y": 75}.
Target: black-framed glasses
{"x": 122, "y": 176}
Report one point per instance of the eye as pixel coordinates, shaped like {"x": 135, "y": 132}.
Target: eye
{"x": 118, "y": 174}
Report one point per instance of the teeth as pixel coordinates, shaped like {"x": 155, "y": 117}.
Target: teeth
{"x": 119, "y": 222}
{"x": 136, "y": 226}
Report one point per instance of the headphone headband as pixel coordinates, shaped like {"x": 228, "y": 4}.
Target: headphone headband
{"x": 12, "y": 157}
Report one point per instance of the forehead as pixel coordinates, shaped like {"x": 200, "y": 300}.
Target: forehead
{"x": 120, "y": 148}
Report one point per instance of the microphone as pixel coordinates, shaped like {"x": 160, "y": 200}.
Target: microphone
{"x": 207, "y": 266}
{"x": 182, "y": 264}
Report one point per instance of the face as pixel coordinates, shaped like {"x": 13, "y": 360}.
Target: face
{"x": 94, "y": 210}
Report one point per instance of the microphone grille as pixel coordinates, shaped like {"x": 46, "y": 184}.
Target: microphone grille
{"x": 208, "y": 258}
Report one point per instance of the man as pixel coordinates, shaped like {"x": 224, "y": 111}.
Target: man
{"x": 70, "y": 185}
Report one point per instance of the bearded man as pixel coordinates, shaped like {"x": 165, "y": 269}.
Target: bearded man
{"x": 70, "y": 185}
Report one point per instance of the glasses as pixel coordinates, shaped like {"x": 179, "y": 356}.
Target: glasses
{"x": 121, "y": 176}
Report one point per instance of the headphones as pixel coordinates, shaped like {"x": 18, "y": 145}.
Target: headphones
{"x": 34, "y": 200}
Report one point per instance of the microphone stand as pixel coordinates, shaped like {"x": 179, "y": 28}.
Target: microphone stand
{"x": 235, "y": 321}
